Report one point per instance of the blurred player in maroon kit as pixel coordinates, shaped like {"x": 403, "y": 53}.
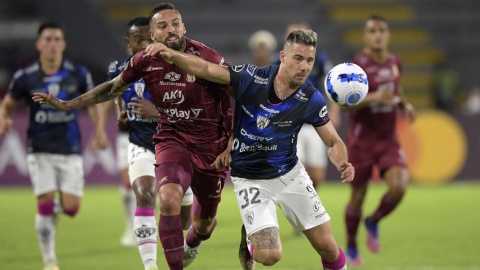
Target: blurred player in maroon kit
{"x": 191, "y": 132}
{"x": 372, "y": 138}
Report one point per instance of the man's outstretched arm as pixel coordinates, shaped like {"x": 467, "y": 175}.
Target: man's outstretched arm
{"x": 99, "y": 94}
{"x": 191, "y": 64}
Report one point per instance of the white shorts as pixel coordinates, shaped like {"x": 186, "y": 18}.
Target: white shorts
{"x": 141, "y": 163}
{"x": 122, "y": 150}
{"x": 292, "y": 192}
{"x": 55, "y": 172}
{"x": 310, "y": 149}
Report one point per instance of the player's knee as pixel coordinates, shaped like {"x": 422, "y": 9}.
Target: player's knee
{"x": 397, "y": 192}
{"x": 145, "y": 198}
{"x": 328, "y": 250}
{"x": 71, "y": 212}
{"x": 170, "y": 200}
{"x": 271, "y": 257}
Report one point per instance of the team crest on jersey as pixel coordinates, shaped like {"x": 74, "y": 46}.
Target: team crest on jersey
{"x": 139, "y": 88}
{"x": 262, "y": 122}
{"x": 144, "y": 231}
{"x": 192, "y": 51}
{"x": 238, "y": 68}
{"x": 251, "y": 69}
{"x": 249, "y": 217}
{"x": 190, "y": 77}
{"x": 53, "y": 88}
{"x": 172, "y": 76}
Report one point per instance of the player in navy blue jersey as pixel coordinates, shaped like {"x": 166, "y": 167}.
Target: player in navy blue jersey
{"x": 272, "y": 103}
{"x": 139, "y": 117}
{"x": 54, "y": 149}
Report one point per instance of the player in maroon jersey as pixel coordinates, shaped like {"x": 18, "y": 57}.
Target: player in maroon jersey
{"x": 191, "y": 132}
{"x": 372, "y": 138}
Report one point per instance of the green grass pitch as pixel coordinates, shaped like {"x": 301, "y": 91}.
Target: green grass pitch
{"x": 435, "y": 227}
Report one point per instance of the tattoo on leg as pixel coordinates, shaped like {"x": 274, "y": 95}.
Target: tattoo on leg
{"x": 267, "y": 238}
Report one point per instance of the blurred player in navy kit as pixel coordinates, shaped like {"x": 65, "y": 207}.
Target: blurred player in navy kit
{"x": 272, "y": 103}
{"x": 139, "y": 117}
{"x": 54, "y": 149}
{"x": 192, "y": 131}
{"x": 372, "y": 138}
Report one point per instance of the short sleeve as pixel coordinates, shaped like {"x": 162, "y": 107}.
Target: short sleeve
{"x": 131, "y": 73}
{"x": 85, "y": 79}
{"x": 240, "y": 77}
{"x": 112, "y": 70}
{"x": 316, "y": 112}
{"x": 18, "y": 85}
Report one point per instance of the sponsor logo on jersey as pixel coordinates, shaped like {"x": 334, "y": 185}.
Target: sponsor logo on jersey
{"x": 144, "y": 231}
{"x": 53, "y": 117}
{"x": 316, "y": 206}
{"x": 154, "y": 68}
{"x": 301, "y": 96}
{"x": 131, "y": 63}
{"x": 123, "y": 66}
{"x": 247, "y": 112}
{"x": 238, "y": 68}
{"x": 165, "y": 178}
{"x": 196, "y": 112}
{"x": 192, "y": 51}
{"x": 285, "y": 123}
{"x": 190, "y": 77}
{"x": 174, "y": 97}
{"x": 251, "y": 69}
{"x": 249, "y": 217}
{"x": 257, "y": 147}
{"x": 139, "y": 88}
{"x": 112, "y": 66}
{"x": 50, "y": 79}
{"x": 260, "y": 80}
{"x": 172, "y": 84}
{"x": 262, "y": 122}
{"x": 172, "y": 76}
{"x": 254, "y": 137}
{"x": 138, "y": 118}
{"x": 269, "y": 110}
{"x": 321, "y": 214}
{"x": 323, "y": 112}
{"x": 179, "y": 113}
{"x": 223, "y": 63}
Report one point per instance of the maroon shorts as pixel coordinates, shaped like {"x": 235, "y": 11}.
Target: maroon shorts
{"x": 192, "y": 170}
{"x": 385, "y": 155}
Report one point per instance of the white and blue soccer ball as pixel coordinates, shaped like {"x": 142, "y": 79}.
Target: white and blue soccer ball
{"x": 346, "y": 84}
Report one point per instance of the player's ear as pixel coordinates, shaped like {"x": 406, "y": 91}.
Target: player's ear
{"x": 184, "y": 29}
{"x": 127, "y": 40}
{"x": 282, "y": 56}
{"x": 152, "y": 36}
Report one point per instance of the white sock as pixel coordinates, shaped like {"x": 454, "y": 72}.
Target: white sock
{"x": 129, "y": 205}
{"x": 343, "y": 268}
{"x": 145, "y": 228}
{"x": 45, "y": 227}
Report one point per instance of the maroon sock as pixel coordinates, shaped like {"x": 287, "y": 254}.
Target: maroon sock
{"x": 352, "y": 219}
{"x": 194, "y": 239}
{"x": 171, "y": 235}
{"x": 386, "y": 206}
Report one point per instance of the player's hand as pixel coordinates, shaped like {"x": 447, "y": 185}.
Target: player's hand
{"x": 5, "y": 125}
{"x": 143, "y": 107}
{"x": 99, "y": 141}
{"x": 223, "y": 160}
{"x": 383, "y": 97}
{"x": 122, "y": 121}
{"x": 410, "y": 113}
{"x": 159, "y": 47}
{"x": 43, "y": 98}
{"x": 347, "y": 170}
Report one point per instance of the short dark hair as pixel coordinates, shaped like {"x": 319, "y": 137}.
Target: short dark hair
{"x": 307, "y": 37}
{"x": 159, "y": 7}
{"x": 376, "y": 18}
{"x": 50, "y": 24}
{"x": 138, "y": 21}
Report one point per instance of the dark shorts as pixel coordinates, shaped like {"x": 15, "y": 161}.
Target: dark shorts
{"x": 385, "y": 155}
{"x": 183, "y": 167}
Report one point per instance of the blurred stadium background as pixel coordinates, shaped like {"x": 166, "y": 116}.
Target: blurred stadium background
{"x": 438, "y": 40}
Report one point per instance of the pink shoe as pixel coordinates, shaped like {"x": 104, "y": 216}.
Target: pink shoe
{"x": 353, "y": 258}
{"x": 373, "y": 241}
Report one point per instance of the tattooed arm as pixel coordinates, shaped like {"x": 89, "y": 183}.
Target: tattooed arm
{"x": 99, "y": 94}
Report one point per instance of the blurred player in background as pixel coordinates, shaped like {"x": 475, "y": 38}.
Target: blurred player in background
{"x": 372, "y": 138}
{"x": 54, "y": 145}
{"x": 192, "y": 132}
{"x": 139, "y": 117}
{"x": 310, "y": 150}
{"x": 272, "y": 103}
{"x": 262, "y": 44}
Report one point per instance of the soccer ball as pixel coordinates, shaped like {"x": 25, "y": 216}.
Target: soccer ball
{"x": 346, "y": 84}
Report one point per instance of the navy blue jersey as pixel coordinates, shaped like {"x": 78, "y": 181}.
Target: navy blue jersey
{"x": 266, "y": 128}
{"x": 51, "y": 130}
{"x": 140, "y": 129}
{"x": 321, "y": 67}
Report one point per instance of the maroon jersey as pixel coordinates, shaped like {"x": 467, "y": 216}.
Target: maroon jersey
{"x": 376, "y": 122}
{"x": 192, "y": 110}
